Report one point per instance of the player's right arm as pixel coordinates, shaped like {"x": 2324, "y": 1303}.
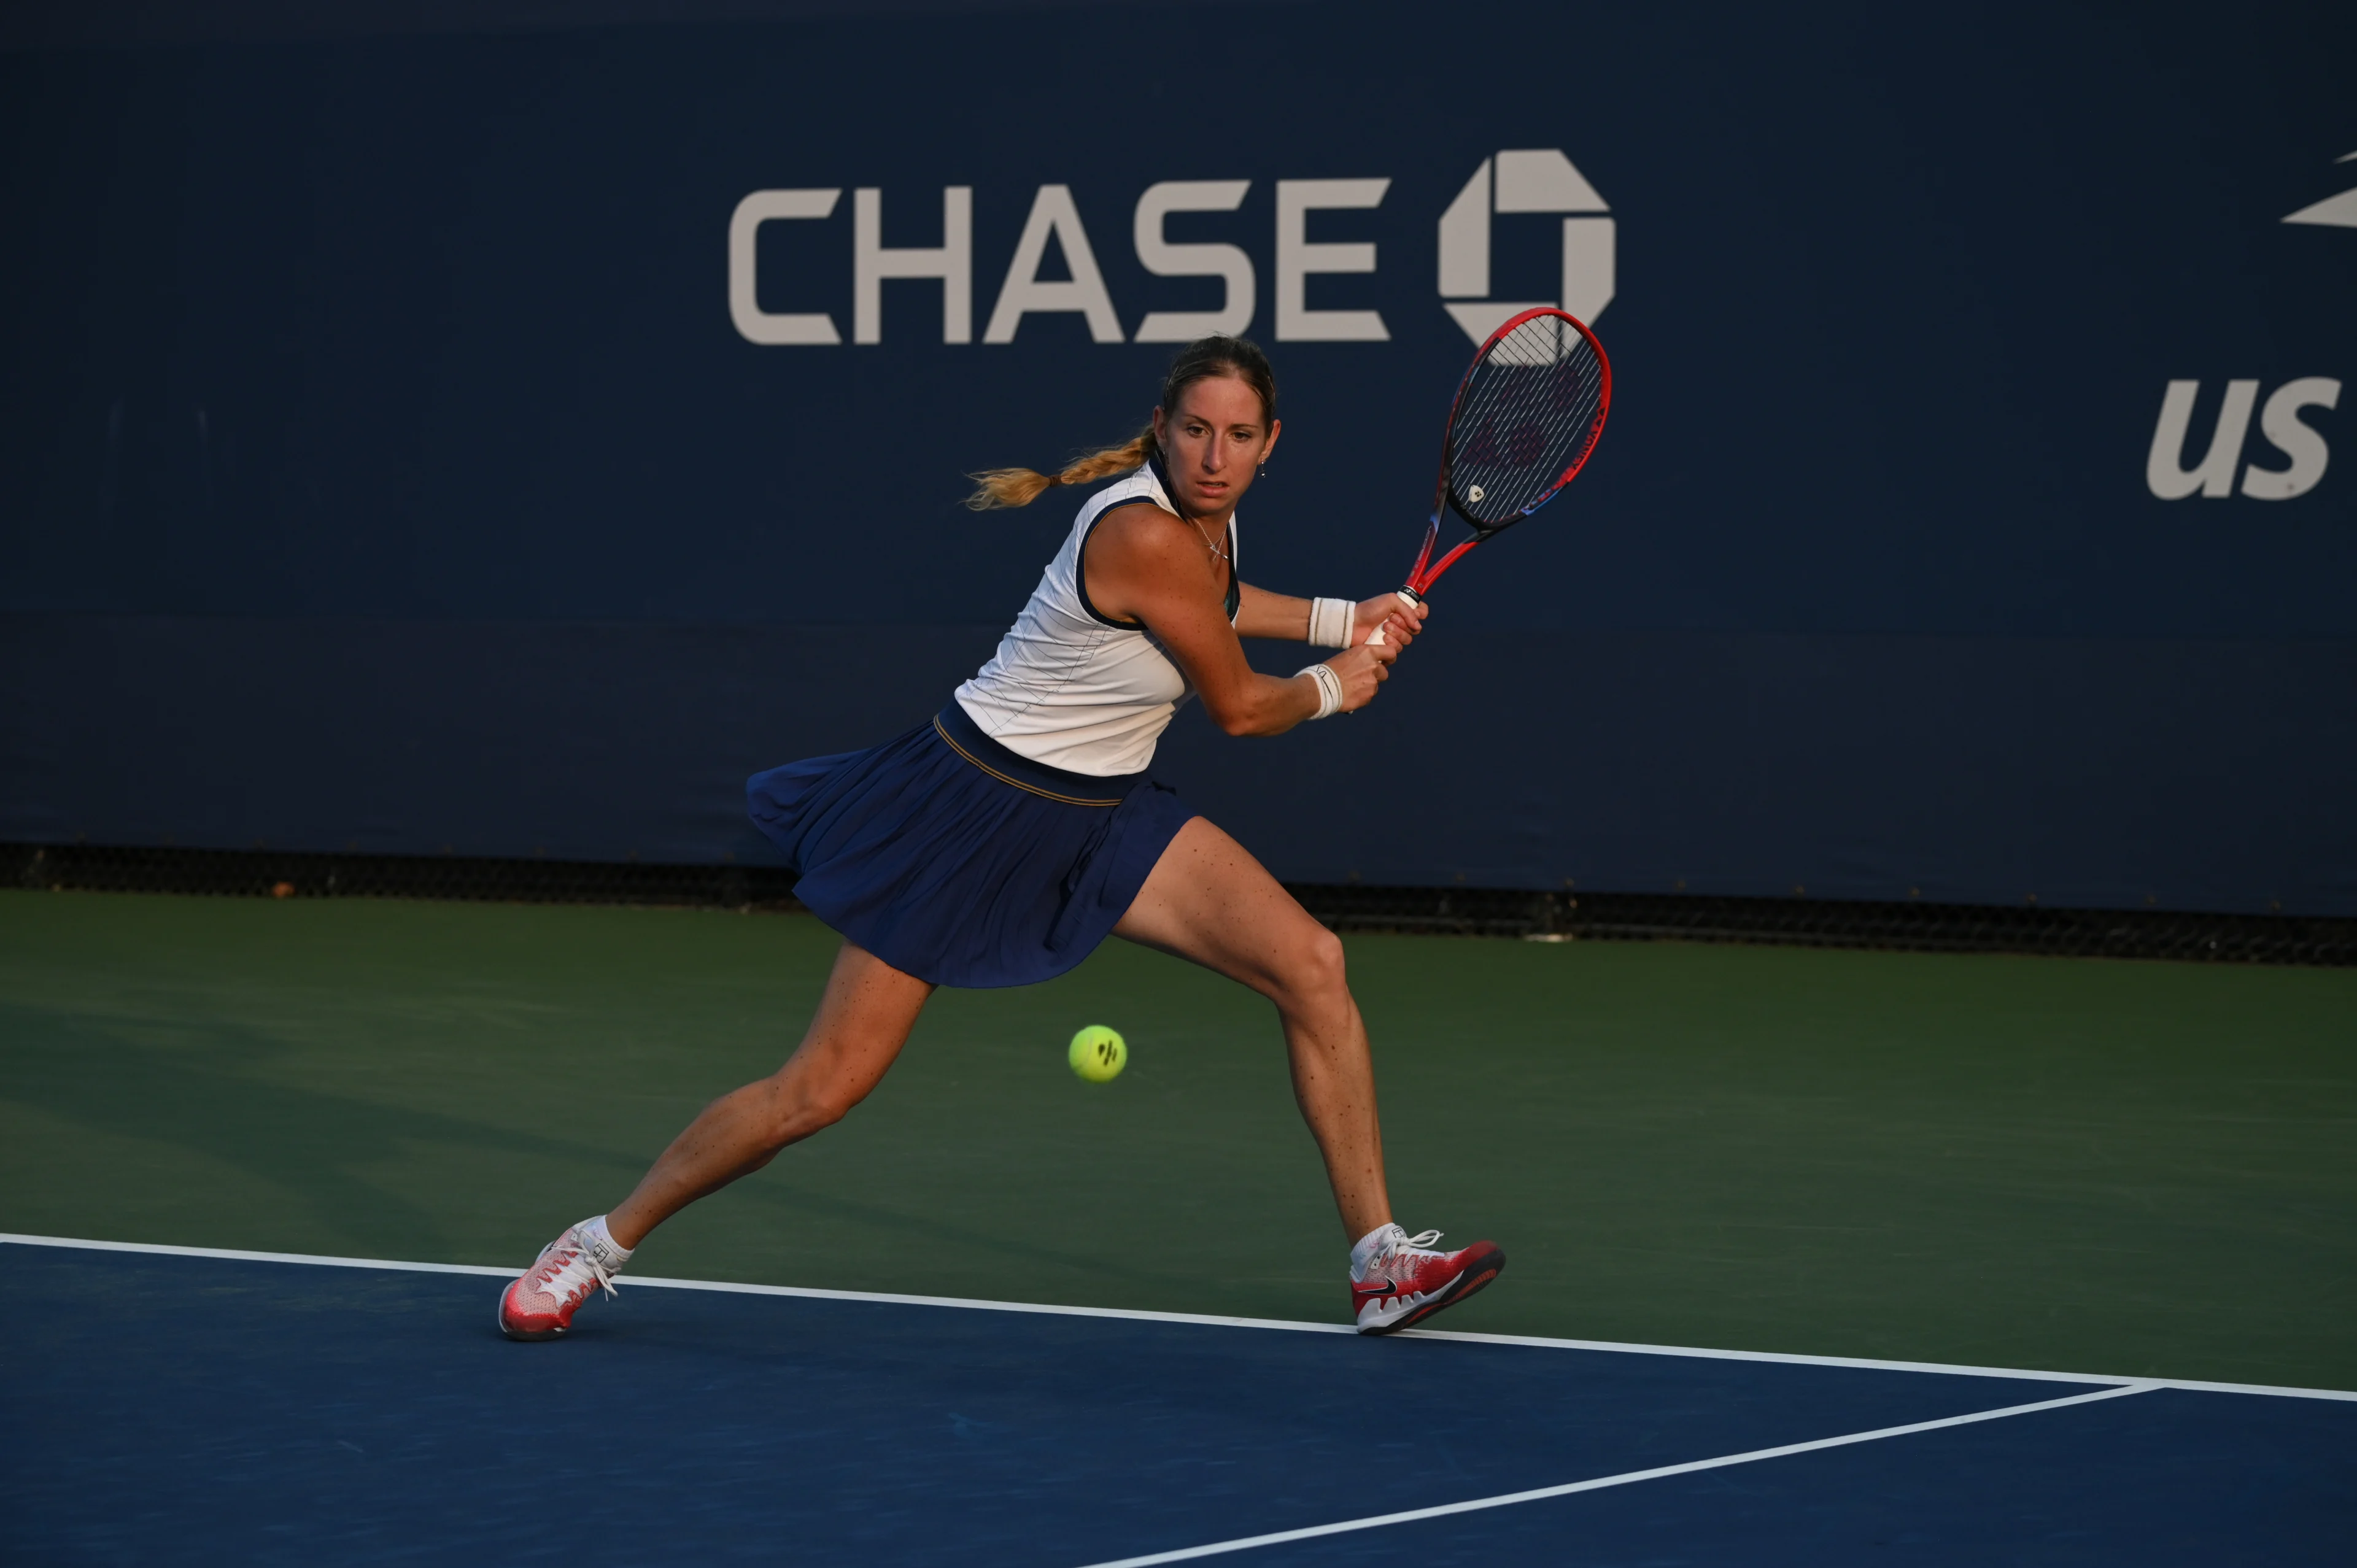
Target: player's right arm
{"x": 1143, "y": 564}
{"x": 1260, "y": 613}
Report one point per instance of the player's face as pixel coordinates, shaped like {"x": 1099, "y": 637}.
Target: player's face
{"x": 1212, "y": 442}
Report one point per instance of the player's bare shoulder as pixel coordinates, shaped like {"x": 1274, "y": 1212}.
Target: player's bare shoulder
{"x": 1138, "y": 535}
{"x": 1139, "y": 526}
{"x": 1138, "y": 553}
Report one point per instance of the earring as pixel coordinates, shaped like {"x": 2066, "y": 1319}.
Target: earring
{"x": 1264, "y": 471}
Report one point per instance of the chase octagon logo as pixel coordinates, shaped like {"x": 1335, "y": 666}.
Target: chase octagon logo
{"x": 1524, "y": 180}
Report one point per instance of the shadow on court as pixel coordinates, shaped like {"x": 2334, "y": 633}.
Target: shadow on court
{"x": 209, "y": 1093}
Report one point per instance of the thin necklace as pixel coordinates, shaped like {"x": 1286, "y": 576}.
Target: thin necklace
{"x": 1217, "y": 554}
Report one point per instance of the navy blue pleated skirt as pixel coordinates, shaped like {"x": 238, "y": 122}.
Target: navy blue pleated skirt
{"x": 954, "y": 859}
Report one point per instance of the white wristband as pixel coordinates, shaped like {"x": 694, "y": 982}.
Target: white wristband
{"x": 1330, "y": 690}
{"x": 1330, "y": 621}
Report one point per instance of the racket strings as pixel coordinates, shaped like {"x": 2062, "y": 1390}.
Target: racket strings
{"x": 1530, "y": 408}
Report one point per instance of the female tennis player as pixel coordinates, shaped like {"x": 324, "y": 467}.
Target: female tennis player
{"x": 1000, "y": 843}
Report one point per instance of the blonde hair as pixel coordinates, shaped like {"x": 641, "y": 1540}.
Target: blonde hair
{"x": 1216, "y": 356}
{"x": 997, "y": 487}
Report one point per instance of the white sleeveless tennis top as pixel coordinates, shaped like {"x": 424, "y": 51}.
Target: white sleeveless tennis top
{"x": 1076, "y": 690}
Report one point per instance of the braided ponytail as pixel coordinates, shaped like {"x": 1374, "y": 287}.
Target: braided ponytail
{"x": 1199, "y": 360}
{"x": 1020, "y": 486}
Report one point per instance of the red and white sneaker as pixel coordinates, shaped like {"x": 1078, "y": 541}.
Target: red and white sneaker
{"x": 1402, "y": 1281}
{"x": 541, "y": 1304}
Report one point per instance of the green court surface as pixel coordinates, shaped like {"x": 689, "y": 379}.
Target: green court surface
{"x": 2135, "y": 1168}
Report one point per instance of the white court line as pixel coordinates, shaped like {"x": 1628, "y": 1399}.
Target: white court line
{"x": 1211, "y": 1320}
{"x": 235, "y": 1255}
{"x": 1507, "y": 1499}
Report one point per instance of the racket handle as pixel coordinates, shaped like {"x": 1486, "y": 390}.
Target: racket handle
{"x": 1375, "y": 637}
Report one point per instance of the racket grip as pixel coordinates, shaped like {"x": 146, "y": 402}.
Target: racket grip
{"x": 1375, "y": 637}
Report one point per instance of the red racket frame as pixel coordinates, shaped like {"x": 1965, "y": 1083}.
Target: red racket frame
{"x": 1427, "y": 571}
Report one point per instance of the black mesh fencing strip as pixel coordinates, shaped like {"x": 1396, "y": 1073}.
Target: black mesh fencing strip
{"x": 1541, "y": 915}
{"x": 291, "y": 874}
{"x": 1909, "y": 924}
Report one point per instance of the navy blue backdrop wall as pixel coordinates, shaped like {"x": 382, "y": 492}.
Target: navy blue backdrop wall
{"x": 392, "y": 458}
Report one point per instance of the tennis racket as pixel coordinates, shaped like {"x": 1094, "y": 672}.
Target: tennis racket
{"x": 1526, "y": 416}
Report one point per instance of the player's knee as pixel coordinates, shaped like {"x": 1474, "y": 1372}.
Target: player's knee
{"x": 795, "y": 1115}
{"x": 1317, "y": 974}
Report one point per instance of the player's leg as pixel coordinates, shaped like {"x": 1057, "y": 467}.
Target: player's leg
{"x": 1208, "y": 900}
{"x": 863, "y": 1020}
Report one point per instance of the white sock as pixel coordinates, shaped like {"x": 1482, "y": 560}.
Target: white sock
{"x": 1363, "y": 1251}
{"x": 602, "y": 1245}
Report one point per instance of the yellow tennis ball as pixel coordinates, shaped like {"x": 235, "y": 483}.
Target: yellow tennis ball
{"x": 1099, "y": 1054}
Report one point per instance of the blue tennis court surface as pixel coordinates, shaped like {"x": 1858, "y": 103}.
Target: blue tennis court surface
{"x": 216, "y": 1408}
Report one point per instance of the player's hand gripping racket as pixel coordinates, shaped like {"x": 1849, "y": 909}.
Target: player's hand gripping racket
{"x": 1526, "y": 416}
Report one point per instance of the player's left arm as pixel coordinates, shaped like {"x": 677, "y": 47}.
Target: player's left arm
{"x": 1260, "y": 613}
